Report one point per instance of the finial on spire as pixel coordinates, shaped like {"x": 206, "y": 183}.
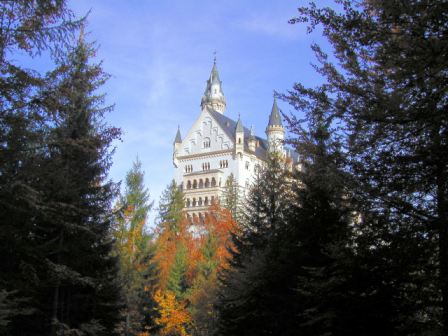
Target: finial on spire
{"x": 214, "y": 57}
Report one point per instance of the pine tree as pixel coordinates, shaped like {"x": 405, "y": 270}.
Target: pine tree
{"x": 80, "y": 291}
{"x": 170, "y": 206}
{"x": 320, "y": 231}
{"x": 247, "y": 303}
{"x": 231, "y": 196}
{"x": 388, "y": 93}
{"x": 138, "y": 273}
{"x": 29, "y": 28}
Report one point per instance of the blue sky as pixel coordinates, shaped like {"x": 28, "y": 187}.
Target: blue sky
{"x": 160, "y": 54}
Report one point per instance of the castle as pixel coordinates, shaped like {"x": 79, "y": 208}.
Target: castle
{"x": 217, "y": 147}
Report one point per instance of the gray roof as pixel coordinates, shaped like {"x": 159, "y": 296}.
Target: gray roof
{"x": 229, "y": 127}
{"x": 214, "y": 78}
{"x": 178, "y": 138}
{"x": 274, "y": 118}
{"x": 239, "y": 125}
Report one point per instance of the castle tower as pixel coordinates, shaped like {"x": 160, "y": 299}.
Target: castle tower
{"x": 239, "y": 138}
{"x": 214, "y": 96}
{"x": 275, "y": 131}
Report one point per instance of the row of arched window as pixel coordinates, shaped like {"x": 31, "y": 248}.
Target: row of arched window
{"x": 223, "y": 164}
{"x": 199, "y": 202}
{"x": 201, "y": 183}
{"x": 206, "y": 166}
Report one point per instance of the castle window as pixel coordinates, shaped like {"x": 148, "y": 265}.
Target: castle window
{"x": 207, "y": 143}
{"x": 201, "y": 184}
{"x": 188, "y": 168}
{"x": 195, "y": 184}
{"x": 194, "y": 201}
{"x": 206, "y": 200}
{"x": 207, "y": 183}
{"x": 247, "y": 164}
{"x": 188, "y": 203}
{"x": 200, "y": 201}
{"x": 223, "y": 164}
{"x": 189, "y": 184}
{"x": 239, "y": 141}
{"x": 213, "y": 182}
{"x": 206, "y": 166}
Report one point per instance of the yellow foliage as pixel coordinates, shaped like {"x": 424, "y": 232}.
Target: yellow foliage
{"x": 174, "y": 317}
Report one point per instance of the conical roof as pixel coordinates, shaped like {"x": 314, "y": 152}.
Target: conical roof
{"x": 239, "y": 126}
{"x": 178, "y": 138}
{"x": 275, "y": 118}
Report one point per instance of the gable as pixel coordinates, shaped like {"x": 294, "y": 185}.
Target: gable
{"x": 206, "y": 135}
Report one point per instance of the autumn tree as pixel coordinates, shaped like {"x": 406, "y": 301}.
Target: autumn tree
{"x": 215, "y": 250}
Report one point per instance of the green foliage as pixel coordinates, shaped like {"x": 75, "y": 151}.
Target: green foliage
{"x": 134, "y": 248}
{"x": 55, "y": 201}
{"x": 386, "y": 92}
{"x": 170, "y": 207}
{"x": 177, "y": 282}
{"x": 231, "y": 196}
{"x": 244, "y": 306}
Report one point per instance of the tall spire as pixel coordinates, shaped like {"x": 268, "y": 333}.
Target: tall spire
{"x": 274, "y": 118}
{"x": 214, "y": 96}
{"x": 275, "y": 130}
{"x": 178, "y": 138}
{"x": 239, "y": 125}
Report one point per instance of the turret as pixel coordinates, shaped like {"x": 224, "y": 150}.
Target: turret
{"x": 239, "y": 137}
{"x": 213, "y": 95}
{"x": 177, "y": 146}
{"x": 252, "y": 140}
{"x": 275, "y": 131}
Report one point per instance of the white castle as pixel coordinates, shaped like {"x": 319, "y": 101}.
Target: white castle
{"x": 216, "y": 147}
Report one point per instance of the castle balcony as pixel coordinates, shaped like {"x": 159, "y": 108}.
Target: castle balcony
{"x": 201, "y": 189}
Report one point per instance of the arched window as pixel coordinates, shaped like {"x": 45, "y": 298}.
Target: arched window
{"x": 195, "y": 184}
{"x": 201, "y": 184}
{"x": 194, "y": 201}
{"x": 213, "y": 182}
{"x": 200, "y": 201}
{"x": 207, "y": 182}
{"x": 188, "y": 203}
{"x": 207, "y": 143}
{"x": 206, "y": 200}
{"x": 189, "y": 184}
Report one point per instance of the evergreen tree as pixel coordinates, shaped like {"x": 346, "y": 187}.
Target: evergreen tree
{"x": 81, "y": 291}
{"x": 388, "y": 91}
{"x": 247, "y": 303}
{"x": 319, "y": 238}
{"x": 231, "y": 196}
{"x": 29, "y": 28}
{"x": 170, "y": 206}
{"x": 134, "y": 248}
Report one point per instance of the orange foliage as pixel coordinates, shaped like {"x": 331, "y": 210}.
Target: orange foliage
{"x": 174, "y": 317}
{"x": 220, "y": 223}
